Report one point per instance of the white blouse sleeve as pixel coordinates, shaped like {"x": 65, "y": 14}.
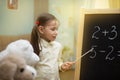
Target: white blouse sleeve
{"x": 60, "y": 60}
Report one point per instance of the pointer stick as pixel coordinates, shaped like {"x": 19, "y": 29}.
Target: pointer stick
{"x": 84, "y": 54}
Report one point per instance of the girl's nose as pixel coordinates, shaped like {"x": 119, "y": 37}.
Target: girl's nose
{"x": 56, "y": 32}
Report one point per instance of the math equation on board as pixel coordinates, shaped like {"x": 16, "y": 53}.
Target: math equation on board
{"x": 104, "y": 41}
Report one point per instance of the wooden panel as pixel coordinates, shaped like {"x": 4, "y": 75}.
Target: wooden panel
{"x": 40, "y": 6}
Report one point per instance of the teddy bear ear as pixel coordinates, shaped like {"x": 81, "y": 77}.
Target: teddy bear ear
{"x": 25, "y": 48}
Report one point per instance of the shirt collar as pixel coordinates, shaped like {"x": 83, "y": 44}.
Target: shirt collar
{"x": 44, "y": 43}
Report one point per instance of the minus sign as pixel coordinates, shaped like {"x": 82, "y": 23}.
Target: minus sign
{"x": 118, "y": 51}
{"x": 102, "y": 51}
{"x": 118, "y": 54}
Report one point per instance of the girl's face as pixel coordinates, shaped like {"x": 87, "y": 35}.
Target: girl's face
{"x": 50, "y": 31}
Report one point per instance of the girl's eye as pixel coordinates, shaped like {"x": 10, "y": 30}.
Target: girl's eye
{"x": 53, "y": 29}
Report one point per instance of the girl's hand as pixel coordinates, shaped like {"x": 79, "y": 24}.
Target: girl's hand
{"x": 66, "y": 66}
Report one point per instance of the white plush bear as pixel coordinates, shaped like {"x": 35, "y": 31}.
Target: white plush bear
{"x": 22, "y": 48}
{"x": 14, "y": 67}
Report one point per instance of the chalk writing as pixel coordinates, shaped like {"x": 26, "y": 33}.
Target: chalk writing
{"x": 105, "y": 32}
{"x": 94, "y": 53}
{"x": 96, "y": 49}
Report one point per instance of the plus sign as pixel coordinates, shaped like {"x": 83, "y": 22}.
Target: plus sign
{"x": 105, "y": 32}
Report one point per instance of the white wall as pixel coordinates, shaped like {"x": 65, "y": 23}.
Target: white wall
{"x": 16, "y": 22}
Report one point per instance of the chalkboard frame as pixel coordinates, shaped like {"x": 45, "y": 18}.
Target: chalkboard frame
{"x": 80, "y": 33}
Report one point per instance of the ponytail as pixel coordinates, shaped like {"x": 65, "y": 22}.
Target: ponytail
{"x": 35, "y": 40}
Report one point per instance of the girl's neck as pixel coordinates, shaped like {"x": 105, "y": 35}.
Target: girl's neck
{"x": 46, "y": 39}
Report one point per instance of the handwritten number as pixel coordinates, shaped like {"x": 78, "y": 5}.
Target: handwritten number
{"x": 108, "y": 55}
{"x": 93, "y": 56}
{"x": 115, "y": 33}
{"x": 98, "y": 29}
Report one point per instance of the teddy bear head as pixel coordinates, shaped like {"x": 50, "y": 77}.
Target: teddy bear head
{"x": 22, "y": 48}
{"x": 14, "y": 67}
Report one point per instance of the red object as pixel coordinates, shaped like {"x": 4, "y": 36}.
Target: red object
{"x": 37, "y": 22}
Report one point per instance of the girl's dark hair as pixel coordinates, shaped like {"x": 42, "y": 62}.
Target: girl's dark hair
{"x": 35, "y": 36}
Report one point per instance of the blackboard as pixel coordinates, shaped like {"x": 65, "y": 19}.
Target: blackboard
{"x": 99, "y": 36}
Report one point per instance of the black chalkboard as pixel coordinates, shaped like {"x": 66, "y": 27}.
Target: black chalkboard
{"x": 101, "y": 37}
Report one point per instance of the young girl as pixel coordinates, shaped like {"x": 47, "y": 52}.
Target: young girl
{"x": 43, "y": 41}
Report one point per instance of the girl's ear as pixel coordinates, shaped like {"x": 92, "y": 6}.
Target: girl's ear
{"x": 40, "y": 28}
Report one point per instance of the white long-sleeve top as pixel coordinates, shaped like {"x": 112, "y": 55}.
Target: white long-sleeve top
{"x": 50, "y": 61}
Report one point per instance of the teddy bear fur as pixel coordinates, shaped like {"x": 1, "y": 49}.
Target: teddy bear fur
{"x": 22, "y": 48}
{"x": 14, "y": 67}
